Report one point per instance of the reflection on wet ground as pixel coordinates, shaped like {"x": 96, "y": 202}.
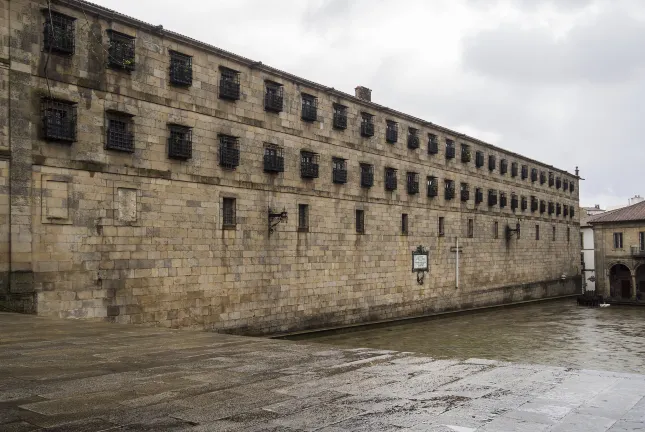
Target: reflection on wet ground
{"x": 553, "y": 333}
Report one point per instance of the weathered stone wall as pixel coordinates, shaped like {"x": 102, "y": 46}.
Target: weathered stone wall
{"x": 138, "y": 237}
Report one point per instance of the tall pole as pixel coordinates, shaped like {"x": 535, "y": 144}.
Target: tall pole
{"x": 457, "y": 268}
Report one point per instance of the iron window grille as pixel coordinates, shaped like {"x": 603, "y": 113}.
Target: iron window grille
{"x": 551, "y": 179}
{"x": 465, "y": 153}
{"x": 339, "y": 172}
{"x": 479, "y": 196}
{"x": 433, "y": 144}
{"x": 442, "y": 227}
{"x": 58, "y": 120}
{"x": 228, "y": 213}
{"x": 413, "y": 183}
{"x": 180, "y": 142}
{"x": 121, "y": 51}
{"x": 492, "y": 197}
{"x": 479, "y": 159}
{"x": 465, "y": 192}
{"x": 390, "y": 179}
{"x": 273, "y": 96}
{"x": 413, "y": 139}
{"x": 181, "y": 69}
{"x": 572, "y": 211}
{"x": 558, "y": 182}
{"x": 503, "y": 200}
{"x": 565, "y": 185}
{"x": 565, "y": 210}
{"x": 59, "y": 33}
{"x": 309, "y": 165}
{"x": 309, "y": 108}
{"x": 404, "y": 223}
{"x": 503, "y": 166}
{"x": 340, "y": 116}
{"x": 449, "y": 189}
{"x": 119, "y": 134}
{"x": 492, "y": 162}
{"x": 367, "y": 175}
{"x": 229, "y": 84}
{"x": 534, "y": 204}
{"x": 303, "y": 217}
{"x": 551, "y": 208}
{"x": 450, "y": 149}
{"x": 514, "y": 202}
{"x": 572, "y": 186}
{"x": 367, "y": 125}
{"x": 360, "y": 221}
{"x": 391, "y": 131}
{"x": 514, "y": 170}
{"x": 534, "y": 174}
{"x": 229, "y": 151}
{"x": 542, "y": 206}
{"x": 524, "y": 204}
{"x": 433, "y": 186}
{"x": 558, "y": 209}
{"x": 273, "y": 159}
{"x": 525, "y": 172}
{"x": 542, "y": 177}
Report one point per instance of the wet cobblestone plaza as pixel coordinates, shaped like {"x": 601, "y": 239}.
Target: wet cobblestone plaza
{"x": 81, "y": 376}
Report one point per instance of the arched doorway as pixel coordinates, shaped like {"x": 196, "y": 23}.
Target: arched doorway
{"x": 620, "y": 281}
{"x": 640, "y": 282}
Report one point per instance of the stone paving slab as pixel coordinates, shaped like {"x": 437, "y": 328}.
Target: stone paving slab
{"x": 78, "y": 376}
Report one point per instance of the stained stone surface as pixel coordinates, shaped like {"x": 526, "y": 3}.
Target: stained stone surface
{"x": 78, "y": 376}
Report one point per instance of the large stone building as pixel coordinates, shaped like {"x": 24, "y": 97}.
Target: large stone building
{"x": 148, "y": 175}
{"x": 619, "y": 238}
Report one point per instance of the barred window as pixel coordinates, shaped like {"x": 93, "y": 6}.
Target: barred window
{"x": 228, "y": 213}
{"x": 121, "y": 51}
{"x": 309, "y": 108}
{"x": 433, "y": 186}
{"x": 391, "y": 131}
{"x": 180, "y": 142}
{"x": 273, "y": 159}
{"x": 303, "y": 217}
{"x": 413, "y": 183}
{"x": 503, "y": 166}
{"x": 59, "y": 120}
{"x": 433, "y": 144}
{"x": 229, "y": 151}
{"x": 120, "y": 134}
{"x": 273, "y": 96}
{"x": 360, "y": 221}
{"x": 390, "y": 179}
{"x": 339, "y": 170}
{"x": 449, "y": 186}
{"x": 181, "y": 69}
{"x": 59, "y": 33}
{"x": 340, "y": 116}
{"x": 367, "y": 175}
{"x": 367, "y": 125}
{"x": 229, "y": 84}
{"x": 413, "y": 139}
{"x": 309, "y": 166}
{"x": 450, "y": 149}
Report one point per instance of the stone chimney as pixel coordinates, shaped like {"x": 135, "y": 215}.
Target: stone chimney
{"x": 364, "y": 93}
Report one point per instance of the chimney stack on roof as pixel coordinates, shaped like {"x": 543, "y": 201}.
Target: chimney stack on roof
{"x": 364, "y": 93}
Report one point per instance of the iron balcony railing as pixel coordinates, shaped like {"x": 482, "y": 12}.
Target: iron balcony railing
{"x": 58, "y": 35}
{"x": 413, "y": 141}
{"x": 450, "y": 152}
{"x": 339, "y": 176}
{"x": 273, "y": 101}
{"x": 309, "y": 170}
{"x": 229, "y": 89}
{"x": 340, "y": 120}
{"x": 309, "y": 112}
{"x": 273, "y": 163}
{"x": 637, "y": 252}
{"x": 229, "y": 155}
{"x": 367, "y": 178}
{"x": 367, "y": 129}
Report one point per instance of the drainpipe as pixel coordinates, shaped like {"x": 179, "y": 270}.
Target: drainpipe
{"x": 457, "y": 268}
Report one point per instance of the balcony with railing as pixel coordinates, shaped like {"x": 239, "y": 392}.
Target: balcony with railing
{"x": 638, "y": 252}
{"x": 413, "y": 183}
{"x": 449, "y": 190}
{"x": 273, "y": 159}
{"x": 340, "y": 117}
{"x": 309, "y": 108}
{"x": 229, "y": 152}
{"x": 413, "y": 140}
{"x": 391, "y": 132}
{"x": 309, "y": 166}
{"x": 339, "y": 173}
{"x": 229, "y": 84}
{"x": 273, "y": 97}
{"x": 367, "y": 127}
{"x": 479, "y": 196}
{"x": 390, "y": 179}
{"x": 466, "y": 156}
{"x": 433, "y": 187}
{"x": 367, "y": 176}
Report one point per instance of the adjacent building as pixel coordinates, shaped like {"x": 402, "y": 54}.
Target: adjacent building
{"x": 619, "y": 237}
{"x": 152, "y": 178}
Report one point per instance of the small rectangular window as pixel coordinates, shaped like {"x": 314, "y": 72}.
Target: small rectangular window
{"x": 309, "y": 108}
{"x": 495, "y": 229}
{"x": 59, "y": 33}
{"x": 228, "y": 213}
{"x": 641, "y": 241}
{"x": 181, "y": 69}
{"x": 273, "y": 96}
{"x": 568, "y": 234}
{"x": 367, "y": 175}
{"x": 391, "y": 131}
{"x": 229, "y": 84}
{"x": 618, "y": 240}
{"x": 360, "y": 221}
{"x": 339, "y": 171}
{"x": 390, "y": 179}
{"x": 413, "y": 139}
{"x": 229, "y": 151}
{"x": 441, "y": 227}
{"x": 180, "y": 142}
{"x": 273, "y": 158}
{"x": 471, "y": 228}
{"x": 308, "y": 165}
{"x": 303, "y": 217}
{"x": 450, "y": 149}
{"x": 121, "y": 51}
{"x": 367, "y": 125}
{"x": 404, "y": 224}
{"x": 433, "y": 144}
{"x": 340, "y": 116}
{"x": 553, "y": 238}
{"x": 537, "y": 232}
{"x": 59, "y": 120}
{"x": 119, "y": 132}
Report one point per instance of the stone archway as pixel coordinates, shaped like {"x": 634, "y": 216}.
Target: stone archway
{"x": 640, "y": 282}
{"x": 620, "y": 281}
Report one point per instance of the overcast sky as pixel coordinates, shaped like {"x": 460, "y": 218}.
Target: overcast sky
{"x": 561, "y": 81}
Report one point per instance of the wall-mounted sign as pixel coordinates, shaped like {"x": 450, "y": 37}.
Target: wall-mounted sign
{"x": 420, "y": 260}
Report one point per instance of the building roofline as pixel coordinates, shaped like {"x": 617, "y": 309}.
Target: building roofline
{"x": 110, "y": 14}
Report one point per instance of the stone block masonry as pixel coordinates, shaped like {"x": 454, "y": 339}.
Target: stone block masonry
{"x": 114, "y": 229}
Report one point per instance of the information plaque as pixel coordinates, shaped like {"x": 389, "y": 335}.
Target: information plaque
{"x": 420, "y": 260}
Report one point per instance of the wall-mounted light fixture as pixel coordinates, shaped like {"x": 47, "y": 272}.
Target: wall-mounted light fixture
{"x": 275, "y": 218}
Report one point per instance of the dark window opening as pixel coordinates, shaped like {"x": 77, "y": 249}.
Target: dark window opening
{"x": 465, "y": 153}
{"x": 228, "y": 213}
{"x": 618, "y": 240}
{"x": 413, "y": 139}
{"x": 413, "y": 183}
{"x": 551, "y": 179}
{"x": 229, "y": 151}
{"x": 551, "y": 208}
{"x": 404, "y": 224}
{"x": 449, "y": 189}
{"x": 492, "y": 197}
{"x": 641, "y": 241}
{"x": 495, "y": 229}
{"x": 479, "y": 159}
{"x": 59, "y": 120}
{"x": 367, "y": 175}
{"x": 542, "y": 206}
{"x": 303, "y": 217}
{"x": 502, "y": 199}
{"x": 59, "y": 33}
{"x": 367, "y": 125}
{"x": 558, "y": 209}
{"x": 514, "y": 169}
{"x": 569, "y": 235}
{"x": 524, "y": 204}
{"x": 525, "y": 172}
{"x": 391, "y": 131}
{"x": 479, "y": 196}
{"x": 553, "y": 236}
{"x": 309, "y": 165}
{"x": 503, "y": 166}
{"x": 534, "y": 174}
{"x": 273, "y": 96}
{"x": 465, "y": 192}
{"x": 534, "y": 204}
{"x": 339, "y": 172}
{"x": 565, "y": 210}
{"x": 450, "y": 149}
{"x": 433, "y": 186}
{"x": 492, "y": 162}
{"x": 471, "y": 228}
{"x": 442, "y": 231}
{"x": 433, "y": 144}
{"x": 514, "y": 202}
{"x": 181, "y": 69}
{"x": 360, "y": 221}
{"x": 558, "y": 182}
{"x": 229, "y": 84}
{"x": 537, "y": 232}
{"x": 309, "y": 108}
{"x": 390, "y": 179}
{"x": 121, "y": 51}
{"x": 119, "y": 132}
{"x": 180, "y": 142}
{"x": 542, "y": 177}
{"x": 340, "y": 116}
{"x": 572, "y": 211}
{"x": 273, "y": 159}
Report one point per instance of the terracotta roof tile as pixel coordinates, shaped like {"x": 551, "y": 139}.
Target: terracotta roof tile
{"x": 634, "y": 212}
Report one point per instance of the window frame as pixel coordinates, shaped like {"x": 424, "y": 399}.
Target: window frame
{"x": 229, "y": 213}
{"x": 303, "y": 217}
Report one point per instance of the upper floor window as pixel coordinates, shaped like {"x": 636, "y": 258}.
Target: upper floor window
{"x": 492, "y": 162}
{"x": 503, "y": 166}
{"x": 553, "y": 233}
{"x": 534, "y": 204}
{"x": 514, "y": 202}
{"x": 572, "y": 211}
{"x": 572, "y": 186}
{"x": 471, "y": 228}
{"x": 180, "y": 142}
{"x": 340, "y": 116}
{"x": 391, "y": 131}
{"x": 534, "y": 174}
{"x": 442, "y": 226}
{"x": 308, "y": 164}
{"x": 390, "y": 179}
{"x": 229, "y": 84}
{"x": 121, "y": 51}
{"x": 492, "y": 197}
{"x": 59, "y": 34}
{"x": 495, "y": 229}
{"x": 450, "y": 149}
{"x": 360, "y": 221}
{"x": 558, "y": 209}
{"x": 542, "y": 206}
{"x": 551, "y": 179}
{"x": 339, "y": 170}
{"x": 525, "y": 172}
{"x": 479, "y": 159}
{"x": 433, "y": 186}
{"x": 502, "y": 199}
{"x": 618, "y": 240}
{"x": 449, "y": 189}
{"x": 465, "y": 153}
{"x": 479, "y": 195}
{"x": 413, "y": 139}
{"x": 558, "y": 182}
{"x": 273, "y": 158}
{"x": 181, "y": 69}
{"x": 565, "y": 184}
{"x": 523, "y": 203}
{"x": 367, "y": 125}
{"x": 229, "y": 151}
{"x": 542, "y": 177}
{"x": 565, "y": 210}
{"x": 514, "y": 171}
{"x": 551, "y": 208}
{"x": 59, "y": 120}
{"x": 367, "y": 175}
{"x": 413, "y": 183}
{"x": 465, "y": 192}
{"x": 433, "y": 144}
{"x": 404, "y": 224}
{"x": 119, "y": 132}
{"x": 641, "y": 241}
{"x": 309, "y": 107}
{"x": 273, "y": 96}
{"x": 303, "y": 217}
